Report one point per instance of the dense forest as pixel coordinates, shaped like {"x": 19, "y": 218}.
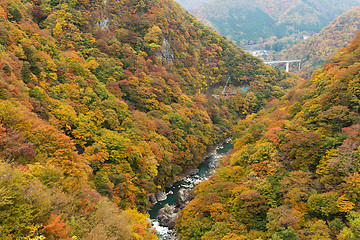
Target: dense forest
{"x": 294, "y": 171}
{"x": 103, "y": 103}
{"x": 337, "y": 35}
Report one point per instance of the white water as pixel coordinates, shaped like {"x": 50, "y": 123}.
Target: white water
{"x": 163, "y": 232}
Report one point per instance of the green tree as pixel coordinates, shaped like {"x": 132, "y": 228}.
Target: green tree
{"x": 323, "y": 205}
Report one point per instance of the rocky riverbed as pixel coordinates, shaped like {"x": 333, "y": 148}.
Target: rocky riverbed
{"x": 168, "y": 204}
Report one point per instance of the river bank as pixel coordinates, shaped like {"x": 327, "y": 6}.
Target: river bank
{"x": 186, "y": 182}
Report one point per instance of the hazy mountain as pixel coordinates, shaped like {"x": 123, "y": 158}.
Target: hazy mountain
{"x": 190, "y": 4}
{"x": 329, "y": 40}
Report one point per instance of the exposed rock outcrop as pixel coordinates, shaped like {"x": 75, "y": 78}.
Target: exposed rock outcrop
{"x": 165, "y": 53}
{"x": 104, "y": 19}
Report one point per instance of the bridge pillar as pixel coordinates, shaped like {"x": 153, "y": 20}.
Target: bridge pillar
{"x": 287, "y": 66}
{"x": 299, "y": 65}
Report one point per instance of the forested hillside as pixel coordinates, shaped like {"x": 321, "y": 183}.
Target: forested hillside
{"x": 337, "y": 35}
{"x": 294, "y": 172}
{"x": 102, "y": 103}
{"x": 275, "y": 25}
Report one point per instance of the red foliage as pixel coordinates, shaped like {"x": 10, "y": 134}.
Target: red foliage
{"x": 353, "y": 132}
{"x": 85, "y": 207}
{"x": 271, "y": 135}
{"x": 13, "y": 145}
{"x": 57, "y": 228}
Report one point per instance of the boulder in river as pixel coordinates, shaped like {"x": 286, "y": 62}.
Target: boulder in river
{"x": 160, "y": 196}
{"x": 183, "y": 197}
{"x": 167, "y": 216}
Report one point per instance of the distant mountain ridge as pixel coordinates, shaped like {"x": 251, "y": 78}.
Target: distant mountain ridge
{"x": 332, "y": 38}
{"x": 189, "y": 4}
{"x": 249, "y": 22}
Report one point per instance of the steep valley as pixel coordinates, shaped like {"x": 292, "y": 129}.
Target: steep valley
{"x": 104, "y": 103}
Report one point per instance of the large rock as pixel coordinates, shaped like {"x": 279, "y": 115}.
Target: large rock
{"x": 167, "y": 216}
{"x": 183, "y": 197}
{"x": 160, "y": 196}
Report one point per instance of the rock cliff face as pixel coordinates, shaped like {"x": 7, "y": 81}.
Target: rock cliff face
{"x": 165, "y": 54}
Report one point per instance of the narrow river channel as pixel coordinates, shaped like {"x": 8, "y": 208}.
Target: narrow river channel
{"x": 206, "y": 169}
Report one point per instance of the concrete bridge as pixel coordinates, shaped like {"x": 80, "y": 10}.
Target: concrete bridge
{"x": 285, "y": 61}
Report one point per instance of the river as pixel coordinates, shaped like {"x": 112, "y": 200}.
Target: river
{"x": 206, "y": 169}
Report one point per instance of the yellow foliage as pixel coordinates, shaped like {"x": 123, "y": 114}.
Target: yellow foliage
{"x": 92, "y": 65}
{"x": 34, "y": 230}
{"x": 322, "y": 168}
{"x": 152, "y": 166}
{"x": 319, "y": 75}
{"x": 52, "y": 76}
{"x": 153, "y": 35}
{"x": 142, "y": 54}
{"x": 19, "y": 52}
{"x": 50, "y": 65}
{"x": 344, "y": 204}
{"x": 43, "y": 82}
{"x": 354, "y": 86}
{"x": 141, "y": 226}
{"x": 185, "y": 100}
{"x": 58, "y": 30}
{"x": 233, "y": 236}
